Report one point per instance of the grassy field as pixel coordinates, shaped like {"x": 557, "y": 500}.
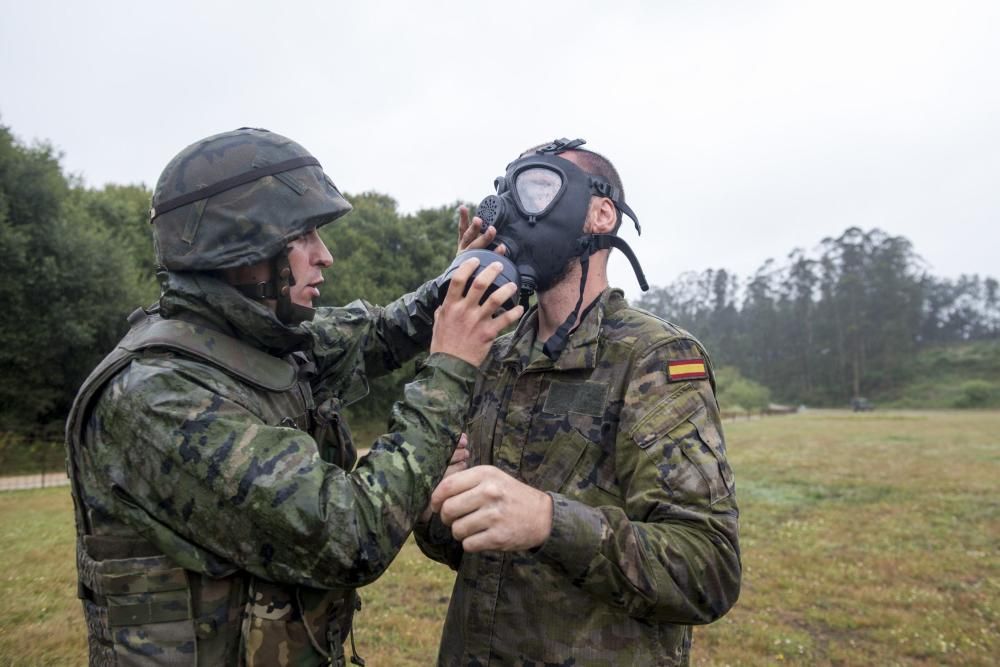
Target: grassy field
{"x": 959, "y": 375}
{"x": 867, "y": 539}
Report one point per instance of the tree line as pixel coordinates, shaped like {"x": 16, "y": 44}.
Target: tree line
{"x": 817, "y": 328}
{"x": 839, "y": 322}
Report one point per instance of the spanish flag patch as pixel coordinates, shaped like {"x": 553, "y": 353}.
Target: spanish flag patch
{"x": 686, "y": 369}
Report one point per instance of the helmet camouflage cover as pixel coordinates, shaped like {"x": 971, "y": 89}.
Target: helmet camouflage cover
{"x": 236, "y": 199}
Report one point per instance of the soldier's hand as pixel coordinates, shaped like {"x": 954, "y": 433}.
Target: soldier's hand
{"x": 471, "y": 236}
{"x": 459, "y": 458}
{"x": 462, "y": 326}
{"x": 459, "y": 461}
{"x": 488, "y": 510}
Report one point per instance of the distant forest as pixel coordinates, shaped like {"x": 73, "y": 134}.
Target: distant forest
{"x": 819, "y": 328}
{"x": 842, "y": 321}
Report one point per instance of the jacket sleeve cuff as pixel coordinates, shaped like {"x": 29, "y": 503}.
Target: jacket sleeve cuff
{"x": 575, "y": 540}
{"x": 452, "y": 367}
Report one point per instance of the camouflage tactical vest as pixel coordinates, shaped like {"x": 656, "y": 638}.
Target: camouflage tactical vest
{"x": 144, "y": 607}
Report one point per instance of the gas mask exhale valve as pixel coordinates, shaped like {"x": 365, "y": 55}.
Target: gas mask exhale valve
{"x": 539, "y": 211}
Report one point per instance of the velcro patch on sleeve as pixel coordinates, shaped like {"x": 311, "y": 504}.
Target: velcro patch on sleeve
{"x": 686, "y": 369}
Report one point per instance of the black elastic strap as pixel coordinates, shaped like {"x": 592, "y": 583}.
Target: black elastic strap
{"x": 627, "y": 210}
{"x": 602, "y": 188}
{"x": 232, "y": 182}
{"x": 257, "y": 291}
{"x": 554, "y": 346}
{"x": 355, "y": 658}
{"x": 605, "y": 241}
{"x": 559, "y": 146}
{"x": 525, "y": 299}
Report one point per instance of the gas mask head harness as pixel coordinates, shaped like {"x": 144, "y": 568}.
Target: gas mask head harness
{"x": 539, "y": 212}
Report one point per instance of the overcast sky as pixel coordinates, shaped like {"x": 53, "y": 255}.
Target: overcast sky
{"x": 741, "y": 129}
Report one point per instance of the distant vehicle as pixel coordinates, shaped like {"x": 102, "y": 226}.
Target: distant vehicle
{"x": 862, "y": 405}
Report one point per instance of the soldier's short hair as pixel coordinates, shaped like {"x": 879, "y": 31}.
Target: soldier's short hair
{"x": 598, "y": 165}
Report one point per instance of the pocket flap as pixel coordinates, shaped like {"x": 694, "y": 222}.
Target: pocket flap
{"x": 667, "y": 415}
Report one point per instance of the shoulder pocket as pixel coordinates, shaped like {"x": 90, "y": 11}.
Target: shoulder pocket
{"x": 666, "y": 415}
{"x": 693, "y": 455}
{"x": 701, "y": 443}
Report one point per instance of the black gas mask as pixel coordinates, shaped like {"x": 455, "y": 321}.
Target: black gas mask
{"x": 539, "y": 212}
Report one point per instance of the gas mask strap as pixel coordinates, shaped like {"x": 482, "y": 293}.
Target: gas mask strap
{"x": 605, "y": 241}
{"x": 525, "y": 299}
{"x": 554, "y": 346}
{"x": 558, "y": 146}
{"x": 627, "y": 210}
{"x": 602, "y": 188}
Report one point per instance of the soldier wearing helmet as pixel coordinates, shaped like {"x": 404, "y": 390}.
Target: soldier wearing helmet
{"x": 220, "y": 517}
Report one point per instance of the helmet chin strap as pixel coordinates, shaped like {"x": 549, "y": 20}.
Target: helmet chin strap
{"x": 592, "y": 243}
{"x": 279, "y": 289}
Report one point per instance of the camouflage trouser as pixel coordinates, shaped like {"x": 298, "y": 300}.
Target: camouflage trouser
{"x": 296, "y": 626}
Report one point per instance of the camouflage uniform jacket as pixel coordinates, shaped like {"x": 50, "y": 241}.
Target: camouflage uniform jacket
{"x": 219, "y": 521}
{"x": 644, "y": 529}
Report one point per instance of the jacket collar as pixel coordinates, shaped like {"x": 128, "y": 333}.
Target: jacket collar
{"x": 581, "y": 348}
{"x": 200, "y": 298}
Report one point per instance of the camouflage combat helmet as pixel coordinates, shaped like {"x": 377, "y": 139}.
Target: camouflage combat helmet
{"x": 237, "y": 198}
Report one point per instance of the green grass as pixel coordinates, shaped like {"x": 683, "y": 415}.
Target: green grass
{"x": 40, "y": 618}
{"x": 868, "y": 539}
{"x": 964, "y": 375}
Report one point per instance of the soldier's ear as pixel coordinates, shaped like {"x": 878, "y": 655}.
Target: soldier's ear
{"x": 602, "y": 218}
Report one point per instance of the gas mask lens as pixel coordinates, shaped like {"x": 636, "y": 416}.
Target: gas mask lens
{"x": 537, "y": 188}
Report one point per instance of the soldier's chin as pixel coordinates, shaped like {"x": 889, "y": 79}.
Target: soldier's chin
{"x": 308, "y": 295}
{"x": 305, "y": 300}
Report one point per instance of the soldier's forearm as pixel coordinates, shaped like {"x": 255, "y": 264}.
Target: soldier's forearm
{"x": 677, "y": 572}
{"x": 381, "y": 500}
{"x": 403, "y": 328}
{"x": 197, "y": 461}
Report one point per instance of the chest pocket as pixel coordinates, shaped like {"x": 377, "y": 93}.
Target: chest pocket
{"x": 569, "y": 450}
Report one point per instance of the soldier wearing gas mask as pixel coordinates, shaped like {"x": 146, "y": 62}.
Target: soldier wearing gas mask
{"x": 596, "y": 521}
